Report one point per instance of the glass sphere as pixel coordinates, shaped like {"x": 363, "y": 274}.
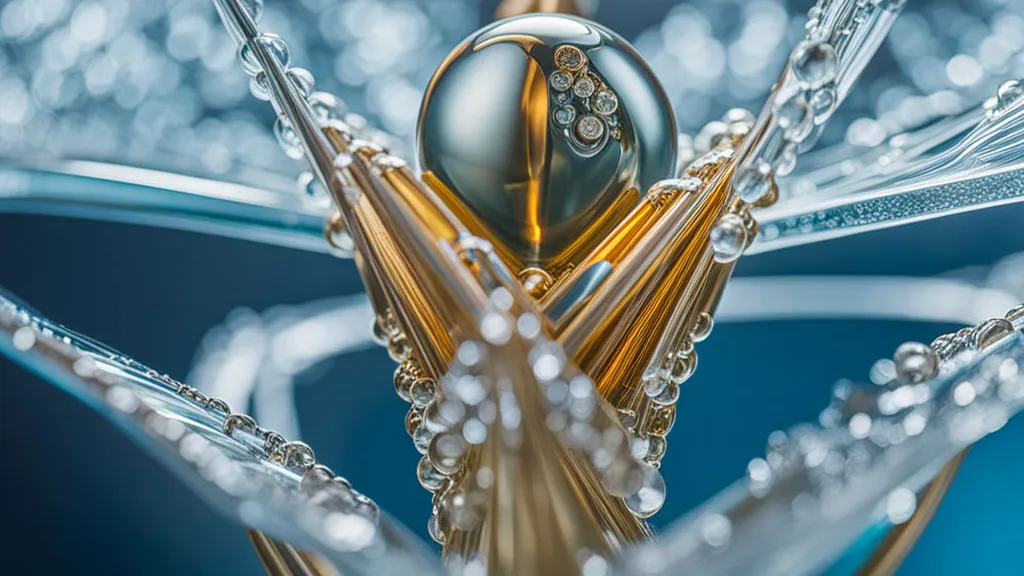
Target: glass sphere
{"x": 538, "y": 125}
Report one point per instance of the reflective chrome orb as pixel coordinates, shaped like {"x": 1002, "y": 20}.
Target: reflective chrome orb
{"x": 538, "y": 127}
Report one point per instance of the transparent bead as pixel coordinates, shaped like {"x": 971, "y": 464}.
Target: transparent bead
{"x": 814, "y": 63}
{"x": 317, "y": 477}
{"x": 442, "y": 415}
{"x": 990, "y": 331}
{"x": 1016, "y": 317}
{"x": 421, "y": 438}
{"x": 738, "y": 130}
{"x": 702, "y": 327}
{"x": 915, "y": 362}
{"x": 627, "y": 418}
{"x": 786, "y": 161}
{"x": 254, "y": 9}
{"x": 605, "y": 103}
{"x": 650, "y": 497}
{"x": 446, "y": 452}
{"x": 433, "y": 419}
{"x": 434, "y": 528}
{"x": 655, "y": 381}
{"x": 681, "y": 366}
{"x": 399, "y": 348}
{"x": 429, "y": 477}
{"x": 669, "y": 395}
{"x": 738, "y": 115}
{"x": 313, "y": 190}
{"x": 273, "y": 446}
{"x": 403, "y": 383}
{"x": 560, "y": 81}
{"x": 366, "y": 507}
{"x": 661, "y": 419}
{"x": 326, "y": 106}
{"x": 381, "y": 335}
{"x": 303, "y": 81}
{"x": 709, "y": 136}
{"x": 422, "y": 392}
{"x": 413, "y": 419}
{"x": 728, "y": 238}
{"x": 795, "y": 116}
{"x": 1008, "y": 93}
{"x": 823, "y": 100}
{"x": 275, "y": 45}
{"x": 288, "y": 139}
{"x": 258, "y": 86}
{"x": 752, "y": 183}
{"x": 565, "y": 115}
{"x": 298, "y": 455}
{"x": 656, "y": 448}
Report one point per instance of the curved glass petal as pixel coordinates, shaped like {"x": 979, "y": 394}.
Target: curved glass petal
{"x": 223, "y": 458}
{"x": 148, "y": 197}
{"x": 820, "y": 489}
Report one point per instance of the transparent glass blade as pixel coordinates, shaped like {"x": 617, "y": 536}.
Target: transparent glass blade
{"x": 148, "y": 197}
{"x": 232, "y": 471}
{"x": 984, "y": 168}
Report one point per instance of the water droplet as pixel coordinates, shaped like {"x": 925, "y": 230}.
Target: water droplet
{"x": 915, "y": 362}
{"x": 303, "y": 81}
{"x": 258, "y": 86}
{"x": 428, "y": 476}
{"x": 288, "y": 139}
{"x": 326, "y": 106}
{"x": 646, "y": 501}
{"x": 814, "y": 63}
{"x": 422, "y": 391}
{"x": 274, "y": 44}
{"x": 728, "y": 238}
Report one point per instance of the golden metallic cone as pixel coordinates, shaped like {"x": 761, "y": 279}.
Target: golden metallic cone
{"x": 534, "y": 480}
{"x": 546, "y": 511}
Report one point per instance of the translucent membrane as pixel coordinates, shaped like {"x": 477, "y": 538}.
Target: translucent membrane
{"x": 232, "y": 471}
{"x": 148, "y": 197}
{"x": 797, "y": 511}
